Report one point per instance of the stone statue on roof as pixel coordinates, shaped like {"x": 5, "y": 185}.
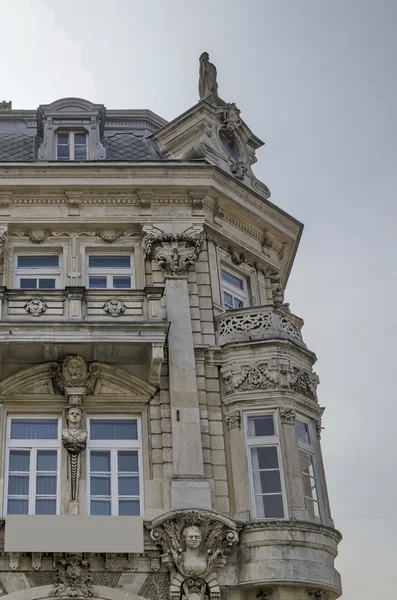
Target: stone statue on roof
{"x": 208, "y": 85}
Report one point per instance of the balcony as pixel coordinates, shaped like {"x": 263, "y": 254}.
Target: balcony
{"x": 257, "y": 324}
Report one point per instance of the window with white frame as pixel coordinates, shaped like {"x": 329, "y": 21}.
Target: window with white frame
{"x": 71, "y": 145}
{"x": 308, "y": 468}
{"x": 114, "y": 466}
{"x": 109, "y": 272}
{"x": 37, "y": 271}
{"x": 235, "y": 290}
{"x": 32, "y": 465}
{"x": 266, "y": 478}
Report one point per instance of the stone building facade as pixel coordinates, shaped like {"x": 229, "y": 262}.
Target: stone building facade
{"x": 152, "y": 375}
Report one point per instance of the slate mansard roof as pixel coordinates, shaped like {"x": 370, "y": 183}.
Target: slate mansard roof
{"x": 125, "y": 134}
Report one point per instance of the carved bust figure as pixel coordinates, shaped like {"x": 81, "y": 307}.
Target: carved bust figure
{"x": 74, "y": 438}
{"x": 193, "y": 559}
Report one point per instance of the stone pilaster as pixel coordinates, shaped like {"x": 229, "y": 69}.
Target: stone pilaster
{"x": 241, "y": 484}
{"x": 175, "y": 253}
{"x": 293, "y": 476}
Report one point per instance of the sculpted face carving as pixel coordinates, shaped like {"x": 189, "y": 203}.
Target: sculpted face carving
{"x": 73, "y": 417}
{"x": 193, "y": 537}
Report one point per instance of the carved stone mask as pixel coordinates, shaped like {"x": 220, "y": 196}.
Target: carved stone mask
{"x": 192, "y": 536}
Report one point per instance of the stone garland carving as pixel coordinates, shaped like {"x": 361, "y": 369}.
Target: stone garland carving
{"x": 114, "y": 307}
{"x": 236, "y": 258}
{"x": 233, "y": 420}
{"x": 317, "y": 594}
{"x": 74, "y": 374}
{"x": 318, "y": 427}
{"x": 72, "y": 578}
{"x": 35, "y": 307}
{"x": 39, "y": 239}
{"x": 175, "y": 253}
{"x": 194, "y": 545}
{"x": 271, "y": 374}
{"x": 287, "y": 415}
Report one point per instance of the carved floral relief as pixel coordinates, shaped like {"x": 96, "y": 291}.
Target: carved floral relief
{"x": 72, "y": 578}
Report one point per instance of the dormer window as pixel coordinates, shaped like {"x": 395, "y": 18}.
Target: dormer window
{"x": 71, "y": 145}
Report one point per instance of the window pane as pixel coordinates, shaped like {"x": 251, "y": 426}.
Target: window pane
{"x": 37, "y": 262}
{"x": 273, "y": 506}
{"x": 228, "y": 300}
{"x": 46, "y": 485}
{"x": 122, "y": 283}
{"x": 266, "y": 482}
{"x": 47, "y": 460}
{"x": 128, "y": 486}
{"x": 46, "y": 506}
{"x": 100, "y": 462}
{"x": 233, "y": 280}
{"x": 17, "y": 506}
{"x": 46, "y": 284}
{"x": 100, "y": 486}
{"x": 63, "y": 138}
{"x": 20, "y": 460}
{"x": 115, "y": 262}
{"x": 100, "y": 507}
{"x": 113, "y": 430}
{"x": 18, "y": 485}
{"x": 80, "y": 138}
{"x": 34, "y": 429}
{"x": 128, "y": 507}
{"x": 128, "y": 461}
{"x": 264, "y": 457}
{"x": 303, "y": 432}
{"x": 63, "y": 153}
{"x": 80, "y": 152}
{"x": 260, "y": 426}
{"x": 238, "y": 303}
{"x": 97, "y": 282}
{"x": 28, "y": 284}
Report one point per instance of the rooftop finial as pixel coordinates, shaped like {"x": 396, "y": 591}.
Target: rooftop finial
{"x": 208, "y": 85}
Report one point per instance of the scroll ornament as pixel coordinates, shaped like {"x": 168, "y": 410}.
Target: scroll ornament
{"x": 194, "y": 545}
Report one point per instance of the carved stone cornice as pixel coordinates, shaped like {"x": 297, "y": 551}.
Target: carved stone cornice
{"x": 174, "y": 252}
{"x": 304, "y": 526}
{"x": 194, "y": 543}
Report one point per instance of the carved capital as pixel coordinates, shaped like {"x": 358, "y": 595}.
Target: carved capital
{"x": 174, "y": 252}
{"x": 287, "y": 415}
{"x": 194, "y": 544}
{"x": 72, "y": 577}
{"x": 233, "y": 420}
{"x": 315, "y": 594}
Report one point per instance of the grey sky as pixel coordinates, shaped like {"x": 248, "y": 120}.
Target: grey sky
{"x": 316, "y": 79}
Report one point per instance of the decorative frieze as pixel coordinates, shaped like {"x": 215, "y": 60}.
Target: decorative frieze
{"x": 48, "y": 233}
{"x": 72, "y": 578}
{"x": 174, "y": 252}
{"x": 268, "y": 374}
{"x": 194, "y": 545}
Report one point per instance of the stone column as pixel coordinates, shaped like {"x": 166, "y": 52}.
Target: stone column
{"x": 292, "y": 467}
{"x": 175, "y": 252}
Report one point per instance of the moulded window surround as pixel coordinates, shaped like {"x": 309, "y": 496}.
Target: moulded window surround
{"x": 41, "y": 271}
{"x": 234, "y": 289}
{"x": 110, "y": 271}
{"x": 307, "y": 458}
{"x": 114, "y": 466}
{"x": 71, "y": 145}
{"x": 32, "y": 480}
{"x": 266, "y": 476}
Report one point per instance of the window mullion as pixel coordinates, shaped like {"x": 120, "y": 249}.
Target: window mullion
{"x": 32, "y": 482}
{"x": 113, "y": 482}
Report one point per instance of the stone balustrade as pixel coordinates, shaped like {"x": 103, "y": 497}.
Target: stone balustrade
{"x": 258, "y": 323}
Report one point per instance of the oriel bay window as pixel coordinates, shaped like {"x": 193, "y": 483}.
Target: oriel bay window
{"x": 32, "y": 466}
{"x": 308, "y": 467}
{"x": 109, "y": 272}
{"x": 266, "y": 479}
{"x": 37, "y": 271}
{"x": 114, "y": 467}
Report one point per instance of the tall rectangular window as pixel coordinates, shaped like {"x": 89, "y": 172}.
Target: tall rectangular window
{"x": 37, "y": 271}
{"x": 235, "y": 292}
{"x": 71, "y": 145}
{"x": 263, "y": 450}
{"x": 114, "y": 457}
{"x": 308, "y": 468}
{"x": 32, "y": 464}
{"x": 110, "y": 272}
